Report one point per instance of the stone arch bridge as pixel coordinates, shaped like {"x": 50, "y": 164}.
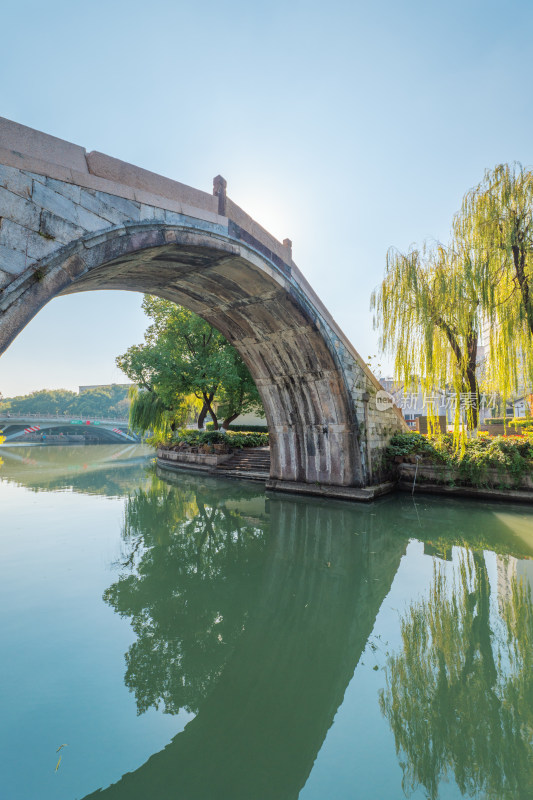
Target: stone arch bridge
{"x": 72, "y": 221}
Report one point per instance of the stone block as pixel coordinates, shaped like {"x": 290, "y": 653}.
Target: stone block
{"x": 69, "y": 190}
{"x": 12, "y": 261}
{"x": 152, "y": 213}
{"x": 17, "y": 209}
{"x": 33, "y": 245}
{"x": 25, "y": 241}
{"x": 58, "y": 228}
{"x": 92, "y": 222}
{"x": 74, "y": 265}
{"x": 21, "y": 139}
{"x": 16, "y": 181}
{"x": 66, "y": 208}
{"x": 130, "y": 209}
{"x": 58, "y": 204}
{"x": 5, "y": 278}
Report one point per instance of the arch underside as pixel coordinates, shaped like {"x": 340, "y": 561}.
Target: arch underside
{"x": 313, "y": 432}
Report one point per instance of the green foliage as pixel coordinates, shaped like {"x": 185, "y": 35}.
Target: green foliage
{"x": 509, "y": 455}
{"x": 242, "y": 428}
{"x": 183, "y": 355}
{"x": 497, "y": 219}
{"x": 148, "y": 413}
{"x": 432, "y": 301}
{"x": 510, "y": 421}
{"x": 407, "y": 444}
{"x": 106, "y": 402}
{"x": 427, "y": 310}
{"x": 234, "y": 439}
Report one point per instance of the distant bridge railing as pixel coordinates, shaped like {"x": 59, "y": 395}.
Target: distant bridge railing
{"x": 76, "y": 418}
{"x": 28, "y": 426}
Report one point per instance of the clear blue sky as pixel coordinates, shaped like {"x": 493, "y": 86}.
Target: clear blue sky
{"x": 345, "y": 126}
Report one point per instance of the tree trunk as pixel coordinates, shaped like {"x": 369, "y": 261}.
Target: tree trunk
{"x": 472, "y": 386}
{"x": 201, "y": 416}
{"x": 227, "y": 422}
{"x": 519, "y": 259}
{"x": 208, "y": 399}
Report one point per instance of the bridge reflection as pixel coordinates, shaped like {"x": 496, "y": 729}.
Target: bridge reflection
{"x": 253, "y": 618}
{"x": 253, "y": 612}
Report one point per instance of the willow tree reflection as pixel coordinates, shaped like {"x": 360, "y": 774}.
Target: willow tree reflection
{"x": 459, "y": 694}
{"x": 183, "y": 549}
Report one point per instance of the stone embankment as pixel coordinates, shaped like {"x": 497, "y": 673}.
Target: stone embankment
{"x": 436, "y": 479}
{"x": 254, "y": 464}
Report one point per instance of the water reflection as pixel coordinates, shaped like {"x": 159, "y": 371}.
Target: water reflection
{"x": 459, "y": 695}
{"x": 257, "y": 625}
{"x": 99, "y": 469}
{"x": 191, "y": 565}
{"x": 253, "y": 612}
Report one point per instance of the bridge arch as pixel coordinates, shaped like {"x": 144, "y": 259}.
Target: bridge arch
{"x": 314, "y": 431}
{"x": 73, "y": 221}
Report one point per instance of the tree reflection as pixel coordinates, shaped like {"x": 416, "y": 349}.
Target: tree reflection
{"x": 184, "y": 550}
{"x": 255, "y": 621}
{"x": 459, "y": 695}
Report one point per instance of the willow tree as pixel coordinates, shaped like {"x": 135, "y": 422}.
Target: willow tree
{"x": 497, "y": 218}
{"x": 427, "y": 309}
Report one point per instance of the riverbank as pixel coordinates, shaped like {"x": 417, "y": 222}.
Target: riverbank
{"x": 424, "y": 478}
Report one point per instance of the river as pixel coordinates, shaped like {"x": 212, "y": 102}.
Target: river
{"x": 174, "y": 635}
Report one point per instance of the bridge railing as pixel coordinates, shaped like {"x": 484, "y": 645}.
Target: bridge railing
{"x": 6, "y": 417}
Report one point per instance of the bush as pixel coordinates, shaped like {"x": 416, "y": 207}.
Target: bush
{"x": 242, "y": 439}
{"x": 410, "y": 444}
{"x": 511, "y": 455}
{"x": 515, "y": 421}
{"x": 234, "y": 439}
{"x": 242, "y": 428}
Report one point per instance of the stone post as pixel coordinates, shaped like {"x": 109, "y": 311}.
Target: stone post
{"x": 219, "y": 190}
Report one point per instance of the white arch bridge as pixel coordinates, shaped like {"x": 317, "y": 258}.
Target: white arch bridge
{"x": 18, "y": 427}
{"x": 72, "y": 221}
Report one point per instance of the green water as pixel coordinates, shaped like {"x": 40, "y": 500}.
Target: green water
{"x": 192, "y": 638}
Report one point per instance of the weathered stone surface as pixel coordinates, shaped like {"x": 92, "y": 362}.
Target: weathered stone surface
{"x": 55, "y": 227}
{"x": 16, "y": 181}
{"x": 25, "y": 241}
{"x": 19, "y": 210}
{"x": 69, "y": 234}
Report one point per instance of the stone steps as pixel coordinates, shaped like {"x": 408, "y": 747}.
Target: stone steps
{"x": 250, "y": 460}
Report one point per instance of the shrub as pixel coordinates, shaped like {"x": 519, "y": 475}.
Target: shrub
{"x": 242, "y": 428}
{"x": 514, "y": 421}
{"x": 234, "y": 439}
{"x": 242, "y": 439}
{"x": 509, "y": 455}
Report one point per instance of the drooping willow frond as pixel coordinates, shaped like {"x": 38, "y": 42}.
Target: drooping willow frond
{"x": 427, "y": 309}
{"x": 497, "y": 218}
{"x": 147, "y": 412}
